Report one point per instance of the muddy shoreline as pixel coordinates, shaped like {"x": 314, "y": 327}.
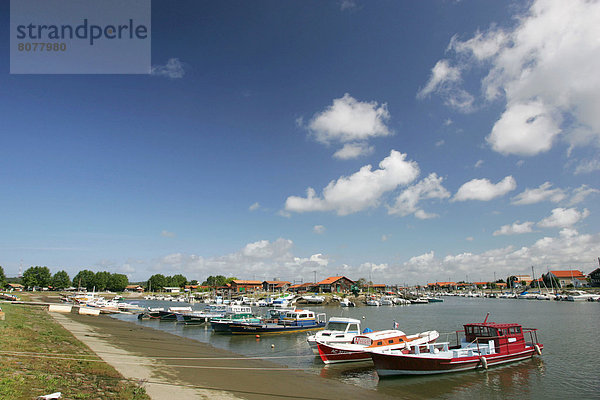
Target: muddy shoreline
{"x": 189, "y": 363}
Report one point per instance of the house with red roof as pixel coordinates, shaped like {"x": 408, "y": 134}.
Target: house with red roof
{"x": 241, "y": 286}
{"x": 335, "y": 284}
{"x": 572, "y": 277}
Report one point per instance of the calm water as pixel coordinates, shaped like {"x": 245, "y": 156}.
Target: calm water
{"x": 568, "y": 368}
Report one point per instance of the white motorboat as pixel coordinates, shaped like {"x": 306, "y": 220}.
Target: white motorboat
{"x": 346, "y": 303}
{"x": 337, "y": 330}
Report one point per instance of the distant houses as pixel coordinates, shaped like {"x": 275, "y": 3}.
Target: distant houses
{"x": 335, "y": 284}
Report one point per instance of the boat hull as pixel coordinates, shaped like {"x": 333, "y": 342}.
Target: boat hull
{"x": 247, "y": 329}
{"x": 331, "y": 355}
{"x": 409, "y": 364}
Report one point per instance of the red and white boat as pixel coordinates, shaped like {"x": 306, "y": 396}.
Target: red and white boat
{"x": 361, "y": 345}
{"x": 484, "y": 345}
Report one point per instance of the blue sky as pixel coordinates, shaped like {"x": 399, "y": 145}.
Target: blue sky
{"x": 404, "y": 141}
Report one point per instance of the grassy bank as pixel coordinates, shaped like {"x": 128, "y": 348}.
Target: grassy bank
{"x": 38, "y": 356}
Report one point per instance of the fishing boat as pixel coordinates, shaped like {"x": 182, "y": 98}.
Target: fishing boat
{"x": 202, "y": 316}
{"x": 360, "y": 346}
{"x": 337, "y": 330}
{"x": 234, "y": 314}
{"x": 293, "y": 321}
{"x": 483, "y": 345}
{"x": 170, "y": 314}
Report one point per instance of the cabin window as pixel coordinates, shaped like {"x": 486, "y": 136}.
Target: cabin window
{"x": 391, "y": 341}
{"x": 379, "y": 343}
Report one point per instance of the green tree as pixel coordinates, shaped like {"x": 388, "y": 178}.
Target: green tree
{"x": 37, "y": 276}
{"x": 101, "y": 279}
{"x": 84, "y": 279}
{"x": 2, "y": 278}
{"x": 218, "y": 280}
{"x": 362, "y": 282}
{"x": 194, "y": 282}
{"x": 117, "y": 282}
{"x": 177, "y": 280}
{"x": 157, "y": 282}
{"x": 61, "y": 280}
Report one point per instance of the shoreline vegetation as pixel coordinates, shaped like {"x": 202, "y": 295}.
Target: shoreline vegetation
{"x": 40, "y": 357}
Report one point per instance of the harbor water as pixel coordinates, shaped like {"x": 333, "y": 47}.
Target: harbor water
{"x": 568, "y": 368}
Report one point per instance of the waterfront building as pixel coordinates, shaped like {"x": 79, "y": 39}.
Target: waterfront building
{"x": 336, "y": 284}
{"x": 241, "y": 286}
{"x": 303, "y": 287}
{"x": 275, "y": 286}
{"x": 572, "y": 277}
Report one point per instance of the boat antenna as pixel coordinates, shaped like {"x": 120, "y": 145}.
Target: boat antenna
{"x": 486, "y": 317}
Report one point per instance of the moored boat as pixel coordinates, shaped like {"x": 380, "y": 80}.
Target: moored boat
{"x": 337, "y": 330}
{"x": 293, "y": 321}
{"x": 360, "y": 346}
{"x": 484, "y": 345}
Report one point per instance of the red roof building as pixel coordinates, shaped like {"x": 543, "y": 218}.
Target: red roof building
{"x": 335, "y": 284}
{"x": 240, "y": 286}
{"x": 570, "y": 277}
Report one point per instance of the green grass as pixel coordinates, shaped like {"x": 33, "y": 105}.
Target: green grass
{"x": 32, "y": 330}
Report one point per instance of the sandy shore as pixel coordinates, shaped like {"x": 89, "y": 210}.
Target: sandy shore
{"x": 177, "y": 367}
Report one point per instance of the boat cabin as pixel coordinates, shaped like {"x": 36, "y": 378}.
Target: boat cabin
{"x": 346, "y": 325}
{"x": 380, "y": 338}
{"x": 301, "y": 318}
{"x": 505, "y": 337}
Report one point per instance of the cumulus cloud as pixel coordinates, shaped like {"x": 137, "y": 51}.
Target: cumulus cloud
{"x": 259, "y": 260}
{"x": 407, "y": 202}
{"x": 515, "y": 229}
{"x": 359, "y": 191}
{"x": 563, "y": 218}
{"x": 254, "y": 207}
{"x": 353, "y": 150}
{"x": 567, "y": 249}
{"x": 352, "y": 122}
{"x": 543, "y": 68}
{"x": 484, "y": 190}
{"x": 542, "y": 193}
{"x": 172, "y": 69}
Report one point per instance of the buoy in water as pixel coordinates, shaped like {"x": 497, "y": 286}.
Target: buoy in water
{"x": 483, "y": 362}
{"x": 257, "y": 336}
{"x": 272, "y": 346}
{"x": 538, "y": 350}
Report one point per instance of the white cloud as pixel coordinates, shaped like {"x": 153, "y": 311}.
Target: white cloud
{"x": 479, "y": 163}
{"x": 349, "y": 120}
{"x": 579, "y": 194}
{"x": 385, "y": 237}
{"x": 167, "y": 234}
{"x": 359, "y": 191}
{"x": 439, "y": 143}
{"x": 525, "y": 129}
{"x": 407, "y": 202}
{"x": 172, "y": 69}
{"x": 444, "y": 81}
{"x": 254, "y": 207}
{"x": 515, "y": 229}
{"x": 545, "y": 69}
{"x": 484, "y": 190}
{"x": 587, "y": 166}
{"x": 567, "y": 249}
{"x": 319, "y": 229}
{"x": 563, "y": 218}
{"x": 539, "y": 194}
{"x": 353, "y": 150}
{"x": 441, "y": 74}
